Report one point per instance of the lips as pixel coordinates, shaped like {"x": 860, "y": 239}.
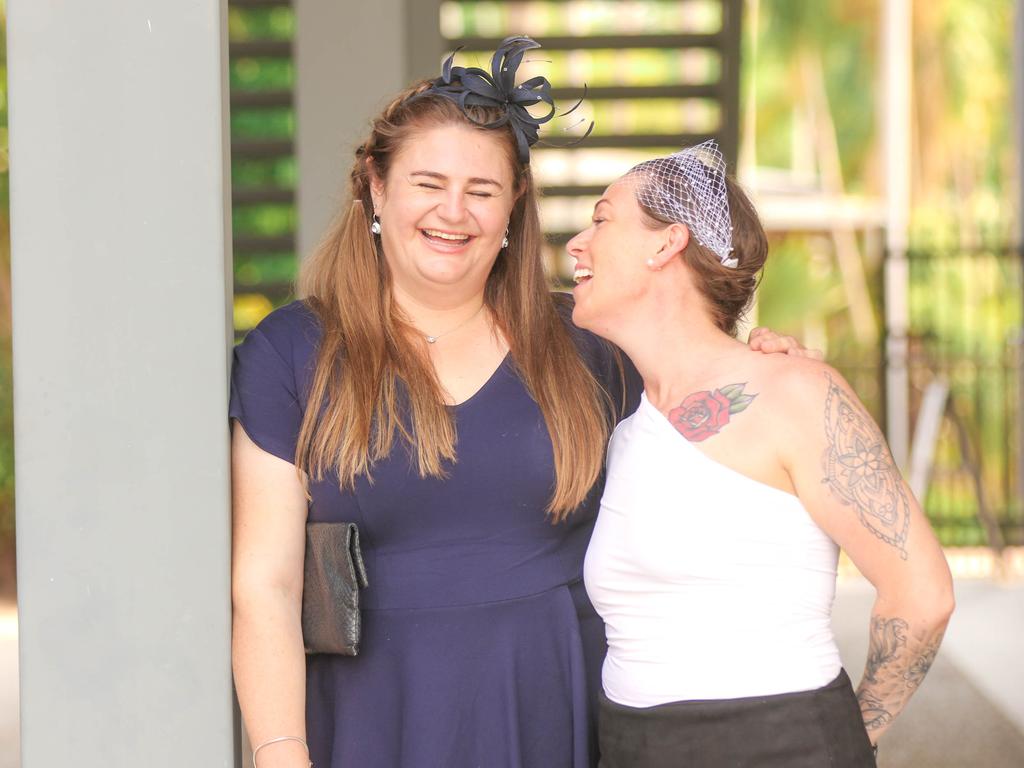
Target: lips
{"x": 581, "y": 275}
{"x": 444, "y": 238}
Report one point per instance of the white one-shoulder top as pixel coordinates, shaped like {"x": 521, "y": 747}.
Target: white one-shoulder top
{"x": 712, "y": 585}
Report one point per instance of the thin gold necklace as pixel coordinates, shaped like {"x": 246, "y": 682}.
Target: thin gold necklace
{"x": 433, "y": 339}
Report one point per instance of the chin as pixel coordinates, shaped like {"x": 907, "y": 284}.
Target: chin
{"x": 445, "y": 273}
{"x": 579, "y": 317}
{"x": 451, "y": 271}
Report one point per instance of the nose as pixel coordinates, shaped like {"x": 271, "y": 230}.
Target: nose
{"x": 578, "y": 242}
{"x": 453, "y": 207}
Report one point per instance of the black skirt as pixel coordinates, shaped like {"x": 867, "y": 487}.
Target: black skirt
{"x": 808, "y": 729}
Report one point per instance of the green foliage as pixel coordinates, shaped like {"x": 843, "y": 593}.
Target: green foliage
{"x": 269, "y": 219}
{"x": 263, "y": 172}
{"x": 263, "y": 123}
{"x": 262, "y": 73}
{"x": 270, "y": 23}
{"x": 794, "y": 288}
{"x": 255, "y": 270}
{"x": 839, "y": 33}
{"x": 964, "y": 64}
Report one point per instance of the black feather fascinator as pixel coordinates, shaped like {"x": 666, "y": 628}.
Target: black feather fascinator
{"x": 473, "y": 87}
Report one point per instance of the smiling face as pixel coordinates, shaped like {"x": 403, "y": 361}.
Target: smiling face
{"x": 444, "y": 207}
{"x": 611, "y": 271}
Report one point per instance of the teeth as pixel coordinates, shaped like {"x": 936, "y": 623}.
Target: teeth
{"x": 445, "y": 235}
{"x": 581, "y": 274}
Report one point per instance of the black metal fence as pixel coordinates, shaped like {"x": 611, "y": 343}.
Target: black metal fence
{"x": 967, "y": 327}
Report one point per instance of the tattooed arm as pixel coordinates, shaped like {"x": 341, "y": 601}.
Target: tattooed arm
{"x": 846, "y": 478}
{"x": 898, "y": 660}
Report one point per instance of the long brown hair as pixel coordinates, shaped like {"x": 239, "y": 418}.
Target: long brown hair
{"x": 369, "y": 359}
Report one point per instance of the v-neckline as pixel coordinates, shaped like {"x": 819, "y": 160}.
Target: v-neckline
{"x": 482, "y": 387}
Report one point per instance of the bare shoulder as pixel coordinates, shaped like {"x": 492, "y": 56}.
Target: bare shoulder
{"x": 797, "y": 387}
{"x": 809, "y": 402}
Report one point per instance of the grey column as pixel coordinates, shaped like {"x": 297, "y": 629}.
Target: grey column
{"x": 350, "y": 59}
{"x": 121, "y": 256}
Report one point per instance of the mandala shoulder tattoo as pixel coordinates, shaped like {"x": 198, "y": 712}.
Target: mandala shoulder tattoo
{"x": 860, "y": 471}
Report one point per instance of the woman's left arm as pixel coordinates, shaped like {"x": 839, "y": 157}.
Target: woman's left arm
{"x": 846, "y": 478}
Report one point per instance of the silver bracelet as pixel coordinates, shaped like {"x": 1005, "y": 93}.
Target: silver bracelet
{"x": 268, "y": 742}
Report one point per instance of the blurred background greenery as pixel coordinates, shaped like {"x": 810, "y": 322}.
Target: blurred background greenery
{"x": 810, "y": 152}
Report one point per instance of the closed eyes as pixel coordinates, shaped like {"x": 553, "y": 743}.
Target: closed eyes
{"x": 425, "y": 185}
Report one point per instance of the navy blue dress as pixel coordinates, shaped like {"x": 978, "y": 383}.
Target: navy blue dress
{"x": 480, "y": 647}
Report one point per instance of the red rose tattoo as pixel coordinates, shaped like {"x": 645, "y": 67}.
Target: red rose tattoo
{"x": 703, "y": 414}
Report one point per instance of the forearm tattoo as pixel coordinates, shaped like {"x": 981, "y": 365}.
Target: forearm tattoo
{"x": 921, "y": 664}
{"x": 887, "y": 638}
{"x": 873, "y": 712}
{"x": 860, "y": 471}
{"x": 898, "y": 660}
{"x": 703, "y": 414}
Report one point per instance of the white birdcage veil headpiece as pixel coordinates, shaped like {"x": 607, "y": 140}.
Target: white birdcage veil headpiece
{"x": 688, "y": 187}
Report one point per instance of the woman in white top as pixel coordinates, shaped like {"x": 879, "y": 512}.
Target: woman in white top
{"x": 728, "y": 495}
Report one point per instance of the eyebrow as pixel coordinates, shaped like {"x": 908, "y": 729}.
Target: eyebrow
{"x": 604, "y": 200}
{"x": 442, "y": 177}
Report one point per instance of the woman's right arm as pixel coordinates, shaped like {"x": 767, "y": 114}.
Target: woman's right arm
{"x": 269, "y": 517}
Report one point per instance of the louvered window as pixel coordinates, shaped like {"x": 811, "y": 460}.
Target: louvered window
{"x": 660, "y": 75}
{"x": 263, "y": 178}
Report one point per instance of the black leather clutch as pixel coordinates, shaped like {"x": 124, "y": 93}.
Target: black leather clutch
{"x": 332, "y": 577}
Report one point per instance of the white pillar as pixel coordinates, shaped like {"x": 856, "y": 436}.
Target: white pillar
{"x": 1018, "y": 109}
{"x": 897, "y": 35}
{"x": 121, "y": 265}
{"x": 350, "y": 58}
{"x": 1018, "y": 100}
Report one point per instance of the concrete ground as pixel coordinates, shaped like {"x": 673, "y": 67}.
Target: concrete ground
{"x": 969, "y": 713}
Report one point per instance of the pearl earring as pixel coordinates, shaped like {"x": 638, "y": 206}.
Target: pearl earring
{"x": 375, "y": 226}
{"x": 504, "y": 240}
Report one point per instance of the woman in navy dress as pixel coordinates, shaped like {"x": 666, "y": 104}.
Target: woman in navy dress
{"x": 428, "y": 315}
{"x": 431, "y": 389}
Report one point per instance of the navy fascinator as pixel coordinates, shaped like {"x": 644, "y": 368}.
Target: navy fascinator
{"x": 473, "y": 87}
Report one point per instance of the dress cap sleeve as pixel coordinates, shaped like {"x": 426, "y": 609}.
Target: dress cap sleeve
{"x": 269, "y": 371}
